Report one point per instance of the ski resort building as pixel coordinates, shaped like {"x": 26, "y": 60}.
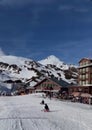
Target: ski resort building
{"x": 49, "y": 85}
{"x": 84, "y": 87}
{"x": 85, "y": 73}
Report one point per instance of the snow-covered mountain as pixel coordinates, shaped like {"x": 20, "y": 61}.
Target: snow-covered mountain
{"x": 53, "y": 60}
{"x": 28, "y": 70}
{"x": 12, "y": 67}
{"x": 59, "y": 69}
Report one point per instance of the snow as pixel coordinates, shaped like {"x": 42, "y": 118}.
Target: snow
{"x": 5, "y": 88}
{"x": 20, "y": 62}
{"x": 13, "y": 59}
{"x": 24, "y": 74}
{"x": 54, "y": 61}
{"x": 24, "y": 113}
{"x": 27, "y": 68}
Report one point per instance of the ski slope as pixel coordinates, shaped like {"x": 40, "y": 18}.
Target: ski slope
{"x": 25, "y": 113}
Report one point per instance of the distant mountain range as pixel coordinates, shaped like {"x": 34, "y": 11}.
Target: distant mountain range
{"x": 27, "y": 70}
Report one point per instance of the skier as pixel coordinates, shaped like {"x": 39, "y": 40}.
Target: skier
{"x": 46, "y": 108}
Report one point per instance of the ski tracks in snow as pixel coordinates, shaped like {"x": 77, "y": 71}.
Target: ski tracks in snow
{"x": 18, "y": 113}
{"x": 19, "y": 116}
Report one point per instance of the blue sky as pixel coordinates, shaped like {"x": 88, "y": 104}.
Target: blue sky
{"x": 39, "y": 28}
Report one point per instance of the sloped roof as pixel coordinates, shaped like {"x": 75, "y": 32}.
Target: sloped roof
{"x": 88, "y": 59}
{"x": 61, "y": 82}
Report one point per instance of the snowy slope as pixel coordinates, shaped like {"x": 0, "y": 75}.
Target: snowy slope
{"x": 24, "y": 113}
{"x": 5, "y": 88}
{"x": 13, "y": 59}
{"x": 16, "y": 67}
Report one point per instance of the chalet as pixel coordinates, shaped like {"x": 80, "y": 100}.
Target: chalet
{"x": 50, "y": 85}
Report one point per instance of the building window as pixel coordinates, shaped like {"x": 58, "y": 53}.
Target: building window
{"x": 84, "y": 63}
{"x": 87, "y": 69}
{"x": 86, "y": 75}
{"x": 80, "y": 70}
{"x": 84, "y": 70}
{"x": 87, "y": 82}
{"x": 80, "y": 76}
{"x": 87, "y": 62}
{"x": 44, "y": 85}
{"x": 84, "y": 82}
{"x": 80, "y": 82}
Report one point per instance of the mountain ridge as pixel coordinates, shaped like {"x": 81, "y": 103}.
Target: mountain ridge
{"x": 24, "y": 69}
{"x": 56, "y": 61}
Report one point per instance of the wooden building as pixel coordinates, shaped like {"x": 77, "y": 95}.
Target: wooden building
{"x": 50, "y": 85}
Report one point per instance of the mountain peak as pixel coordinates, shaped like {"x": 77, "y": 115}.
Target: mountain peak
{"x": 53, "y": 57}
{"x": 53, "y": 60}
{"x": 50, "y": 60}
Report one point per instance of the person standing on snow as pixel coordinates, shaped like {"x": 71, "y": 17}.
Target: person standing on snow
{"x": 46, "y": 108}
{"x": 42, "y": 102}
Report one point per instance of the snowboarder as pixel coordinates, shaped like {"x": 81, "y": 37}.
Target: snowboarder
{"x": 46, "y": 108}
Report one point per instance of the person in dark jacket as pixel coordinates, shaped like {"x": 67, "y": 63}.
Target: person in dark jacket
{"x": 42, "y": 102}
{"x": 46, "y": 108}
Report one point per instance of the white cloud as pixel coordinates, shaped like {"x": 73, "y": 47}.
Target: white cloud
{"x": 23, "y": 2}
{"x": 65, "y": 7}
{"x": 1, "y": 52}
{"x": 81, "y": 10}
{"x": 73, "y": 8}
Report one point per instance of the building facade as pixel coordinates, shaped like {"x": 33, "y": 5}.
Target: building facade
{"x": 85, "y": 75}
{"x": 47, "y": 85}
{"x": 85, "y": 72}
{"x": 84, "y": 79}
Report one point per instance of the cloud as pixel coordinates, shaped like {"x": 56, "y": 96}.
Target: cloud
{"x": 1, "y": 52}
{"x": 81, "y": 6}
{"x": 81, "y": 10}
{"x": 24, "y": 2}
{"x": 73, "y": 8}
{"x": 65, "y": 7}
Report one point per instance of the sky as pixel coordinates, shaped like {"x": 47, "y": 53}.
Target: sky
{"x": 38, "y": 28}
